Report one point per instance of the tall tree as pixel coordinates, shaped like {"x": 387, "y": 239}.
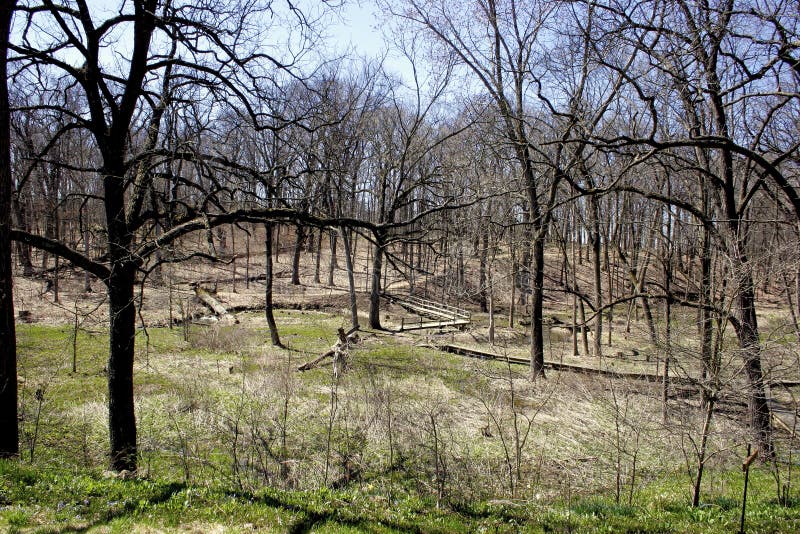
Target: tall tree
{"x": 9, "y": 438}
{"x": 202, "y": 50}
{"x": 498, "y": 44}
{"x": 722, "y": 63}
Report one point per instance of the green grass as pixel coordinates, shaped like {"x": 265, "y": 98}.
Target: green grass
{"x": 210, "y": 414}
{"x": 59, "y": 500}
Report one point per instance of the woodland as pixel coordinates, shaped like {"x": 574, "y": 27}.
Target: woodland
{"x": 548, "y": 275}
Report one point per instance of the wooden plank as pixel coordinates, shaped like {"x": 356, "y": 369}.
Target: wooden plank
{"x": 432, "y": 324}
{"x": 646, "y": 377}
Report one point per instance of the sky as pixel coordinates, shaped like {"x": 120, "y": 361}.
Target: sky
{"x": 360, "y": 26}
{"x": 356, "y": 27}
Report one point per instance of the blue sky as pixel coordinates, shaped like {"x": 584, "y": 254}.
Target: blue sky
{"x": 359, "y": 26}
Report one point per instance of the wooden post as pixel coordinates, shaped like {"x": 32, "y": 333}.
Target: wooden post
{"x": 746, "y": 469}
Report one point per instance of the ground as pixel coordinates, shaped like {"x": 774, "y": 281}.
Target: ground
{"x": 233, "y": 438}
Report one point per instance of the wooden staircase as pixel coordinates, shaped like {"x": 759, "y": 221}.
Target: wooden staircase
{"x": 437, "y": 315}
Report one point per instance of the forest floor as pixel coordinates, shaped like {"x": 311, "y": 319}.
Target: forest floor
{"x": 410, "y": 439}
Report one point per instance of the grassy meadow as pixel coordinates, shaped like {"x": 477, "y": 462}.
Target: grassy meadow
{"x": 232, "y": 438}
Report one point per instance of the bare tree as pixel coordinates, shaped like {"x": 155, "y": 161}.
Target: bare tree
{"x": 200, "y": 50}
{"x": 693, "y": 52}
{"x": 9, "y": 442}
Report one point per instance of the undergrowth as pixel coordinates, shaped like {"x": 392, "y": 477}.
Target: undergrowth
{"x": 233, "y": 438}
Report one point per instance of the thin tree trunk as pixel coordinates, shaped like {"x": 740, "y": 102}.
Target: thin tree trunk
{"x": 298, "y": 250}
{"x": 667, "y": 337}
{"x": 598, "y": 280}
{"x": 87, "y": 277}
{"x": 701, "y": 454}
{"x": 575, "y": 351}
{"x": 491, "y": 308}
{"x": 584, "y": 327}
{"x": 512, "y": 304}
{"x": 706, "y": 318}
{"x": 276, "y": 240}
{"x": 637, "y": 281}
{"x": 318, "y": 258}
{"x": 23, "y": 249}
{"x": 268, "y": 278}
{"x": 247, "y": 260}
{"x": 610, "y": 277}
{"x": 233, "y": 256}
{"x": 333, "y": 264}
{"x": 56, "y": 278}
{"x": 375, "y": 290}
{"x": 484, "y": 250}
{"x": 351, "y": 279}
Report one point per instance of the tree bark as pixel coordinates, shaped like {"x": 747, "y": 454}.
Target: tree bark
{"x": 122, "y": 331}
{"x": 23, "y": 221}
{"x": 351, "y": 279}
{"x": 760, "y": 414}
{"x": 333, "y": 264}
{"x": 537, "y": 301}
{"x": 594, "y": 236}
{"x": 375, "y": 290}
{"x": 298, "y": 250}
{"x": 9, "y": 437}
{"x": 317, "y": 258}
{"x": 482, "y": 282}
{"x": 268, "y": 275}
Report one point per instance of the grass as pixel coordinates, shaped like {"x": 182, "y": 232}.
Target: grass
{"x": 59, "y": 500}
{"x": 233, "y": 439}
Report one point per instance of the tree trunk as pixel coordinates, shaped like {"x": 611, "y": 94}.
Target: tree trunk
{"x": 701, "y": 454}
{"x": 233, "y": 257}
{"x": 87, "y": 277}
{"x": 760, "y": 415}
{"x": 484, "y": 251}
{"x": 598, "y": 280}
{"x": 9, "y": 437}
{"x": 574, "y": 283}
{"x": 247, "y": 260}
{"x": 706, "y": 319}
{"x": 333, "y": 264}
{"x": 351, "y": 279}
{"x": 23, "y": 249}
{"x": 512, "y": 304}
{"x": 667, "y": 335}
{"x": 268, "y": 276}
{"x": 537, "y": 301}
{"x": 318, "y": 259}
{"x": 298, "y": 250}
{"x": 375, "y": 290}
{"x": 122, "y": 331}
{"x": 584, "y": 327}
{"x": 491, "y": 309}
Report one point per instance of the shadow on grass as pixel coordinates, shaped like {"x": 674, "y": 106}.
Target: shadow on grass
{"x": 312, "y": 518}
{"x": 163, "y": 494}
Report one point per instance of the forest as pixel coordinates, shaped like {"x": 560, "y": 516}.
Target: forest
{"x": 544, "y": 276}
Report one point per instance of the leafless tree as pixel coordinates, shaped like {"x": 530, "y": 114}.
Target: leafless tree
{"x": 9, "y": 442}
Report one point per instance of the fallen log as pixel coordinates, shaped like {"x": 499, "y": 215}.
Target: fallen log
{"x": 338, "y": 352}
{"x": 214, "y": 305}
